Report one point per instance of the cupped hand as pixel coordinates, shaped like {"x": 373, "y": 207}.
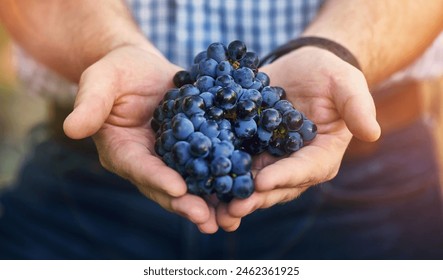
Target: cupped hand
{"x": 336, "y": 97}
{"x": 116, "y": 98}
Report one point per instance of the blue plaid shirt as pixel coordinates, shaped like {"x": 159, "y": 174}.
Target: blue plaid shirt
{"x": 182, "y": 28}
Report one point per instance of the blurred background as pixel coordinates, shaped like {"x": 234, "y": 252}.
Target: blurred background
{"x": 18, "y": 113}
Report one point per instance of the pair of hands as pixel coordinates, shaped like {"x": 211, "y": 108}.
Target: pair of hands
{"x": 117, "y": 96}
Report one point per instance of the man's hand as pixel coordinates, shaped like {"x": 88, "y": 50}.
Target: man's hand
{"x": 335, "y": 96}
{"x": 117, "y": 96}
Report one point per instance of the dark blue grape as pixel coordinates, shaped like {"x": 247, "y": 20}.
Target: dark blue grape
{"x": 245, "y": 128}
{"x": 224, "y": 68}
{"x": 204, "y": 83}
{"x": 172, "y": 94}
{"x": 250, "y": 60}
{"x": 168, "y": 140}
{"x": 270, "y": 96}
{"x": 226, "y": 98}
{"x": 192, "y": 105}
{"x": 253, "y": 95}
{"x": 224, "y": 124}
{"x": 280, "y": 91}
{"x": 194, "y": 71}
{"x": 243, "y": 186}
{"x": 246, "y": 109}
{"x": 226, "y": 134}
{"x": 222, "y": 184}
{"x": 200, "y": 144}
{"x": 283, "y": 106}
{"x": 244, "y": 76}
{"x": 181, "y": 152}
{"x": 236, "y": 50}
{"x": 208, "y": 67}
{"x": 182, "y": 128}
{"x": 293, "y": 120}
{"x": 223, "y": 148}
{"x": 188, "y": 90}
{"x": 197, "y": 168}
{"x": 200, "y": 56}
{"x": 215, "y": 113}
{"x": 308, "y": 130}
{"x": 158, "y": 147}
{"x": 210, "y": 128}
{"x": 277, "y": 147}
{"x": 182, "y": 78}
{"x": 193, "y": 186}
{"x": 208, "y": 98}
{"x": 197, "y": 120}
{"x": 256, "y": 85}
{"x": 294, "y": 142}
{"x": 224, "y": 81}
{"x": 264, "y": 136}
{"x": 270, "y": 119}
{"x": 168, "y": 160}
{"x": 155, "y": 125}
{"x": 217, "y": 51}
{"x": 220, "y": 166}
{"x": 214, "y": 89}
{"x": 241, "y": 162}
{"x": 263, "y": 78}
{"x": 168, "y": 108}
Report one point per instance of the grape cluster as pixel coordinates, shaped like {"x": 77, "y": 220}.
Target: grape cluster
{"x": 222, "y": 112}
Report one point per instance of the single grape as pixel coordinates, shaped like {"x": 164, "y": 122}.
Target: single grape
{"x": 208, "y": 67}
{"x": 210, "y": 128}
{"x": 222, "y": 184}
{"x": 182, "y": 128}
{"x": 220, "y": 166}
{"x": 197, "y": 168}
{"x": 224, "y": 68}
{"x": 293, "y": 120}
{"x": 294, "y": 142}
{"x": 308, "y": 130}
{"x": 246, "y": 109}
{"x": 200, "y": 144}
{"x": 217, "y": 51}
{"x": 241, "y": 162}
{"x": 243, "y": 186}
{"x": 182, "y": 78}
{"x": 181, "y": 152}
{"x": 245, "y": 129}
{"x": 204, "y": 83}
{"x": 236, "y": 50}
{"x": 270, "y": 119}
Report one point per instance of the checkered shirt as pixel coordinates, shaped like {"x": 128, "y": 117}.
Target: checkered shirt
{"x": 182, "y": 28}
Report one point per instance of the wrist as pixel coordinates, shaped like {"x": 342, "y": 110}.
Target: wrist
{"x": 312, "y": 41}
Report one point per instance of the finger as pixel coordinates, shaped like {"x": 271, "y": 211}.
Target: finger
{"x": 317, "y": 162}
{"x": 191, "y": 207}
{"x": 209, "y": 226}
{"x": 93, "y": 102}
{"x": 225, "y": 220}
{"x": 133, "y": 161}
{"x": 356, "y": 106}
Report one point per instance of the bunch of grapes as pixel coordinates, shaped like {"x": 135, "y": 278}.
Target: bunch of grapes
{"x": 222, "y": 112}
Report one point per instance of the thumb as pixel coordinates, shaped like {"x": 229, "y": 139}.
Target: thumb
{"x": 93, "y": 103}
{"x": 356, "y": 106}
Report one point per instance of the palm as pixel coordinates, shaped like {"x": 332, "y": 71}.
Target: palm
{"x": 115, "y": 103}
{"x": 335, "y": 96}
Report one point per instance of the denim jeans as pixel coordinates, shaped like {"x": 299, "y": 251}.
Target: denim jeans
{"x": 64, "y": 205}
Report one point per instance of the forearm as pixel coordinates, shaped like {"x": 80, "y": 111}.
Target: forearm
{"x": 384, "y": 35}
{"x": 70, "y": 35}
